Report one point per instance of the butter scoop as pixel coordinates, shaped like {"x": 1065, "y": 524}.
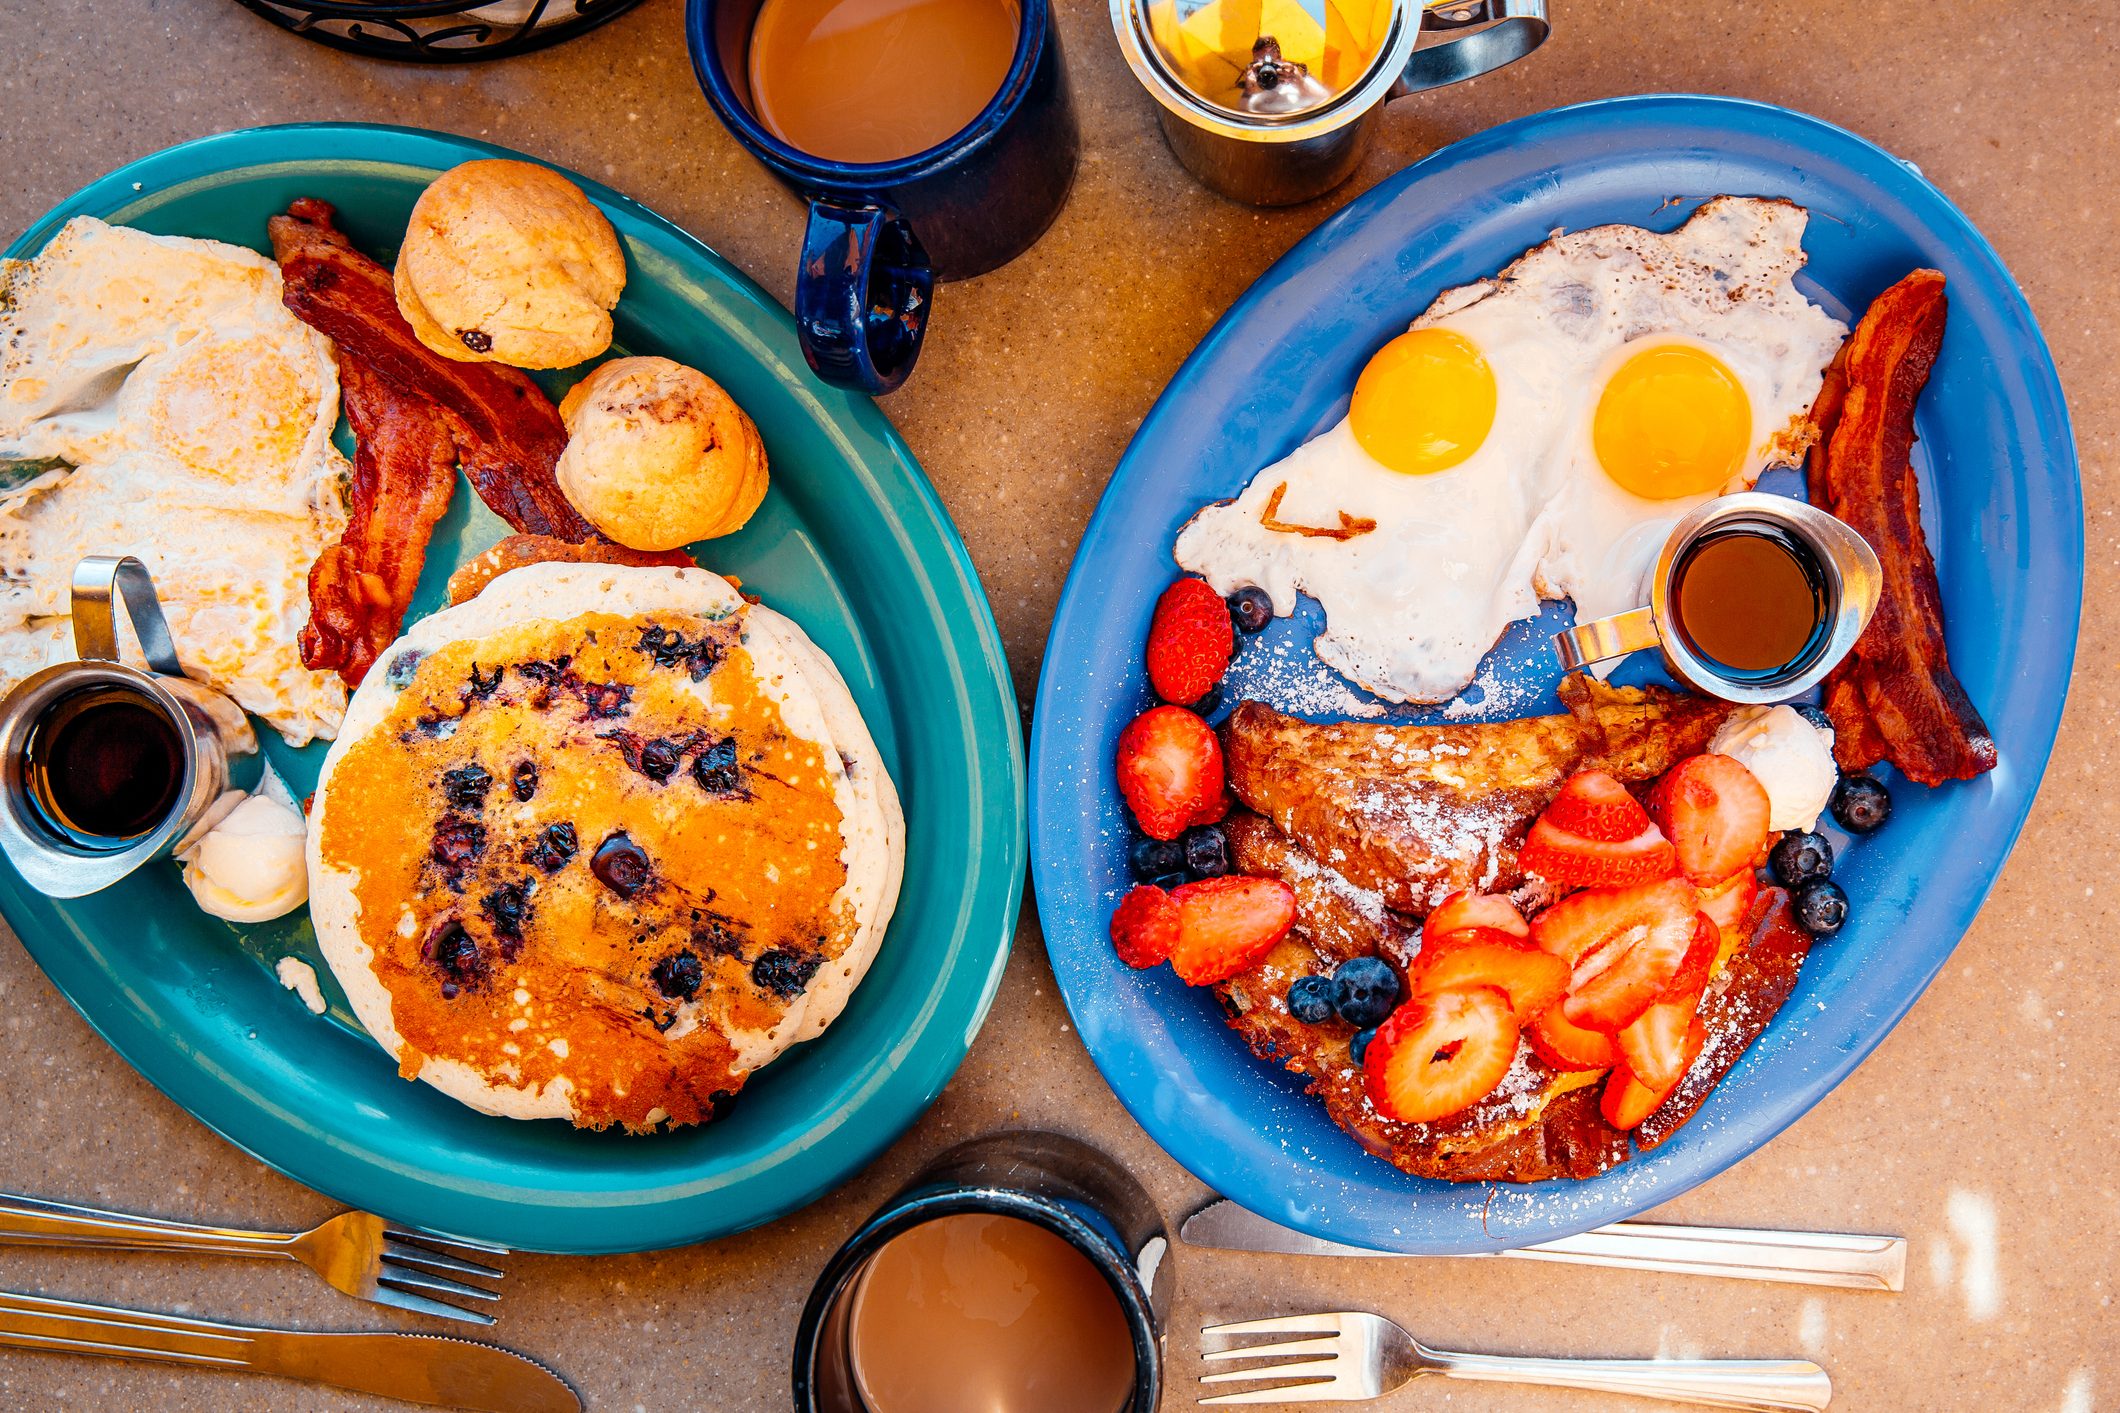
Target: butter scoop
{"x": 250, "y": 865}
{"x": 1792, "y": 758}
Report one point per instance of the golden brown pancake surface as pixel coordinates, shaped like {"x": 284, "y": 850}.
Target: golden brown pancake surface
{"x": 590, "y": 848}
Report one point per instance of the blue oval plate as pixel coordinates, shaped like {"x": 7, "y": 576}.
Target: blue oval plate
{"x": 851, "y": 542}
{"x": 2004, "y": 510}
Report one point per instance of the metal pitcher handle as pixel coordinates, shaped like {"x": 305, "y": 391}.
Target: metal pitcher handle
{"x": 95, "y": 626}
{"x": 1603, "y": 638}
{"x": 1513, "y": 29}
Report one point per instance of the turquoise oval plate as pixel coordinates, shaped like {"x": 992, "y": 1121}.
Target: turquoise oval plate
{"x": 851, "y": 543}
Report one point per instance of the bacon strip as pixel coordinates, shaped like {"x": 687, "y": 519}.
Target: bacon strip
{"x": 1894, "y": 697}
{"x": 506, "y": 430}
{"x": 404, "y": 473}
{"x": 415, "y": 416}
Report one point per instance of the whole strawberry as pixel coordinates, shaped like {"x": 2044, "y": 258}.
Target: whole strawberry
{"x": 1190, "y": 640}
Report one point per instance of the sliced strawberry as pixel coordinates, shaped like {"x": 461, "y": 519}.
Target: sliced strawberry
{"x": 1170, "y": 772}
{"x": 1628, "y": 1100}
{"x": 1728, "y": 901}
{"x": 1691, "y": 978}
{"x": 1145, "y": 927}
{"x": 1622, "y": 945}
{"x": 1189, "y": 642}
{"x": 1565, "y": 1045}
{"x": 1715, "y": 812}
{"x": 1441, "y": 1053}
{"x": 1594, "y": 835}
{"x": 1654, "y": 1048}
{"x": 1488, "y": 956}
{"x": 1227, "y": 924}
{"x": 1466, "y": 908}
{"x": 1592, "y": 805}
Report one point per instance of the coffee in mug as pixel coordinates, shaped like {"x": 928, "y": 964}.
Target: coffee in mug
{"x": 980, "y": 1313}
{"x": 876, "y": 80}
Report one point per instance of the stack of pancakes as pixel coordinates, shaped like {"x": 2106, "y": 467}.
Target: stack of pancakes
{"x": 599, "y": 843}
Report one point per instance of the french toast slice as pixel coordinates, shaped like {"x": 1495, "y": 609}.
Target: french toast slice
{"x": 1415, "y": 813}
{"x": 1541, "y": 1122}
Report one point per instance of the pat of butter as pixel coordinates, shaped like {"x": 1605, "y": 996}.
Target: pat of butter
{"x": 251, "y": 867}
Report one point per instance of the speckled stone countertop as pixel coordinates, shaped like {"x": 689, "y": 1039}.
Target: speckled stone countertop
{"x": 1983, "y": 1129}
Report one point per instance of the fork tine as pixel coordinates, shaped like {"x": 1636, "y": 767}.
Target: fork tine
{"x": 1329, "y": 1391}
{"x": 421, "y": 1305}
{"x": 404, "y": 1278}
{"x": 1328, "y": 1367}
{"x": 403, "y": 1253}
{"x": 1328, "y": 1345}
{"x": 454, "y": 1243}
{"x": 1286, "y": 1324}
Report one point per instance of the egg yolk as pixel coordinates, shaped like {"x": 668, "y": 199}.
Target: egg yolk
{"x": 1424, "y": 403}
{"x": 1673, "y": 421}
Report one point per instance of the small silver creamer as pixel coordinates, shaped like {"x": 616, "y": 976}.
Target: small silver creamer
{"x": 199, "y": 728}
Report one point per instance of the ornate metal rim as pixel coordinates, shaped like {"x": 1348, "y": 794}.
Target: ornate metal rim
{"x": 416, "y": 31}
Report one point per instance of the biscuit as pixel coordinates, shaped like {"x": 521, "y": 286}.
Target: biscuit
{"x": 658, "y": 455}
{"x": 508, "y": 262}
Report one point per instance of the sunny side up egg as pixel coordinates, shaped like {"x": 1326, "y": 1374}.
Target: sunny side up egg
{"x": 157, "y": 399}
{"x": 1534, "y": 435}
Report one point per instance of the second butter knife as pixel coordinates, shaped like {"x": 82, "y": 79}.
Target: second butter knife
{"x": 1835, "y": 1259}
{"x": 418, "y": 1368}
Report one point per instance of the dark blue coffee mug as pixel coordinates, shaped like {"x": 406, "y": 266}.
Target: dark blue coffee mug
{"x": 882, "y": 233}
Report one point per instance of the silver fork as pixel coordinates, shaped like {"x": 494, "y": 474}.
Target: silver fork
{"x": 356, "y": 1252}
{"x": 1367, "y": 1356}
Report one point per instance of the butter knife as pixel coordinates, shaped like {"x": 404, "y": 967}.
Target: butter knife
{"x": 1841, "y": 1260}
{"x": 418, "y": 1368}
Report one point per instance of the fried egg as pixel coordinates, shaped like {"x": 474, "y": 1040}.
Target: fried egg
{"x": 157, "y": 399}
{"x": 1535, "y": 435}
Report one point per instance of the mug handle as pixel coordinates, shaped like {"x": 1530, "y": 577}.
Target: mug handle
{"x": 1514, "y": 29}
{"x": 95, "y": 626}
{"x": 861, "y": 295}
{"x": 1604, "y": 638}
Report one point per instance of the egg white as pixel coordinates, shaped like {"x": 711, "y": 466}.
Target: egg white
{"x": 157, "y": 399}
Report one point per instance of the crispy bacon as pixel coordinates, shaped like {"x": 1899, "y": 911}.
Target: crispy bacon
{"x": 404, "y": 472}
{"x": 507, "y": 433}
{"x": 1894, "y": 697}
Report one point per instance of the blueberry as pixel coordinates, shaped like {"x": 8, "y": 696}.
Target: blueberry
{"x": 1861, "y": 803}
{"x": 678, "y": 975}
{"x": 1151, "y": 859}
{"x": 1209, "y": 705}
{"x": 1369, "y": 990}
{"x": 621, "y": 865}
{"x": 1250, "y": 608}
{"x": 1206, "y": 851}
{"x": 1821, "y": 907}
{"x": 1816, "y": 715}
{"x": 1359, "y": 1046}
{"x": 466, "y": 788}
{"x": 1311, "y": 998}
{"x": 1800, "y": 857}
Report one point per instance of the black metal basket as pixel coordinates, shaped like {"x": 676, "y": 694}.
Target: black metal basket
{"x": 439, "y": 31}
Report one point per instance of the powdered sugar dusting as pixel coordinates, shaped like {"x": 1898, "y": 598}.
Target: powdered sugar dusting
{"x": 1291, "y": 677}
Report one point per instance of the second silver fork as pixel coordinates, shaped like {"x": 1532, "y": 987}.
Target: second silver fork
{"x": 355, "y": 1252}
{"x": 1360, "y": 1356}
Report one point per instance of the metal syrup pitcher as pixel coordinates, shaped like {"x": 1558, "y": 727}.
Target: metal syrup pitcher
{"x": 102, "y": 766}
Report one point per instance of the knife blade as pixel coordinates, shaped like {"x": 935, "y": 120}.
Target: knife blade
{"x": 1835, "y": 1259}
{"x": 417, "y": 1368}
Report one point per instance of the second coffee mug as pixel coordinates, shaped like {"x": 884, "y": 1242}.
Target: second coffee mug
{"x": 883, "y": 229}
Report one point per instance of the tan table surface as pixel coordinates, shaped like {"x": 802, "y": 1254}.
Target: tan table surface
{"x": 1982, "y": 1129}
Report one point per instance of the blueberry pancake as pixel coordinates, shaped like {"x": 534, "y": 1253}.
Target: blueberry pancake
{"x": 599, "y": 843}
